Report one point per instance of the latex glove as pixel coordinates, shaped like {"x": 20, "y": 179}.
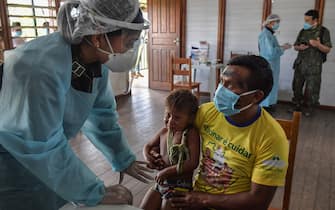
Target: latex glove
{"x": 117, "y": 194}
{"x": 286, "y": 46}
{"x": 139, "y": 171}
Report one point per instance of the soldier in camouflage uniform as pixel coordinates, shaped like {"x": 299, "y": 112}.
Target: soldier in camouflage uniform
{"x": 312, "y": 44}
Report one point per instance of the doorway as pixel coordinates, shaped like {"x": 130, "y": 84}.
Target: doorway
{"x": 140, "y": 75}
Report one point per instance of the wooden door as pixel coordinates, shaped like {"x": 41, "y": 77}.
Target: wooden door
{"x": 164, "y": 40}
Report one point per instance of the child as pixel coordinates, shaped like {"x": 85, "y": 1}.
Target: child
{"x": 174, "y": 151}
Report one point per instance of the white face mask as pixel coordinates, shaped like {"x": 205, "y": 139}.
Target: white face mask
{"x": 120, "y": 62}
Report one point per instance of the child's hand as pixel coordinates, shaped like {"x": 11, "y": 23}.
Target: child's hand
{"x": 158, "y": 162}
{"x": 154, "y": 159}
{"x": 161, "y": 177}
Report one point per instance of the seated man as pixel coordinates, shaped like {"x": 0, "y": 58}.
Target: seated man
{"x": 244, "y": 150}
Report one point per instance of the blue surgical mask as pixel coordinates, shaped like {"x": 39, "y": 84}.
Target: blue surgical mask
{"x": 17, "y": 33}
{"x": 307, "y": 26}
{"x": 225, "y": 101}
{"x": 275, "y": 27}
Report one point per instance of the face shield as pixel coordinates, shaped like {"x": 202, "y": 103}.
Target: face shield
{"x": 121, "y": 18}
{"x": 79, "y": 18}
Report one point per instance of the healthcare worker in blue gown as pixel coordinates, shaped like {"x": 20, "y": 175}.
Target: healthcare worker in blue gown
{"x": 270, "y": 49}
{"x": 55, "y": 86}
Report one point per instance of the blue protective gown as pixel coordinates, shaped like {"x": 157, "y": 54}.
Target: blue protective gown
{"x": 270, "y": 50}
{"x": 40, "y": 112}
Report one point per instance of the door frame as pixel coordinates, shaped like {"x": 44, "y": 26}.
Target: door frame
{"x": 183, "y": 27}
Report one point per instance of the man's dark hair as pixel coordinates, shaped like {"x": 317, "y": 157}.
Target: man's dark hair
{"x": 312, "y": 13}
{"x": 183, "y": 100}
{"x": 260, "y": 77}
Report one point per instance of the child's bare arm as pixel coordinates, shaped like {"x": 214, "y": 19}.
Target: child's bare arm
{"x": 193, "y": 144}
{"x": 151, "y": 149}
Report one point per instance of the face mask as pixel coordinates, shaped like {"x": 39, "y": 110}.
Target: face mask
{"x": 225, "y": 101}
{"x": 119, "y": 62}
{"x": 17, "y": 33}
{"x": 275, "y": 27}
{"x": 307, "y": 26}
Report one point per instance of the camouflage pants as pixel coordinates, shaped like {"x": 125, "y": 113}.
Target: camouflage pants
{"x": 312, "y": 84}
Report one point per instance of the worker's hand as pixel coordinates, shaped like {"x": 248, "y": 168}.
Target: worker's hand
{"x": 117, "y": 194}
{"x": 139, "y": 171}
{"x": 286, "y": 46}
{"x": 315, "y": 43}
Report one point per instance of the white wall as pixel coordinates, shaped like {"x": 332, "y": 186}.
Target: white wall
{"x": 292, "y": 14}
{"x": 202, "y": 24}
{"x": 327, "y": 95}
{"x": 243, "y": 25}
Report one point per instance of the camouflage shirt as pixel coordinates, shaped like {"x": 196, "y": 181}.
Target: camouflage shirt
{"x": 312, "y": 55}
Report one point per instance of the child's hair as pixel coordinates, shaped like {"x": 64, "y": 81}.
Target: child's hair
{"x": 183, "y": 100}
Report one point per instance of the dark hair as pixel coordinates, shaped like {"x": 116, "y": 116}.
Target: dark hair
{"x": 138, "y": 19}
{"x": 260, "y": 77}
{"x": 17, "y": 26}
{"x": 313, "y": 13}
{"x": 183, "y": 100}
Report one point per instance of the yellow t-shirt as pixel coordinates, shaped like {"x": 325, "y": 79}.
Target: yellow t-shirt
{"x": 255, "y": 152}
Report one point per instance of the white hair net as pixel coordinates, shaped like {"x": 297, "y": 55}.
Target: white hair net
{"x": 78, "y": 18}
{"x": 270, "y": 18}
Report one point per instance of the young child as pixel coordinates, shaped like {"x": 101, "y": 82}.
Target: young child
{"x": 174, "y": 151}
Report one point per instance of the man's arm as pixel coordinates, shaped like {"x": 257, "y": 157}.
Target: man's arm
{"x": 317, "y": 44}
{"x": 323, "y": 43}
{"x": 258, "y": 198}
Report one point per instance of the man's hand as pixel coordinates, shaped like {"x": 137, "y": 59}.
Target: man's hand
{"x": 315, "y": 43}
{"x": 117, "y": 194}
{"x": 139, "y": 171}
{"x": 302, "y": 47}
{"x": 191, "y": 200}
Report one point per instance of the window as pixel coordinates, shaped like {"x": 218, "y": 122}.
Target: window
{"x": 27, "y": 19}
